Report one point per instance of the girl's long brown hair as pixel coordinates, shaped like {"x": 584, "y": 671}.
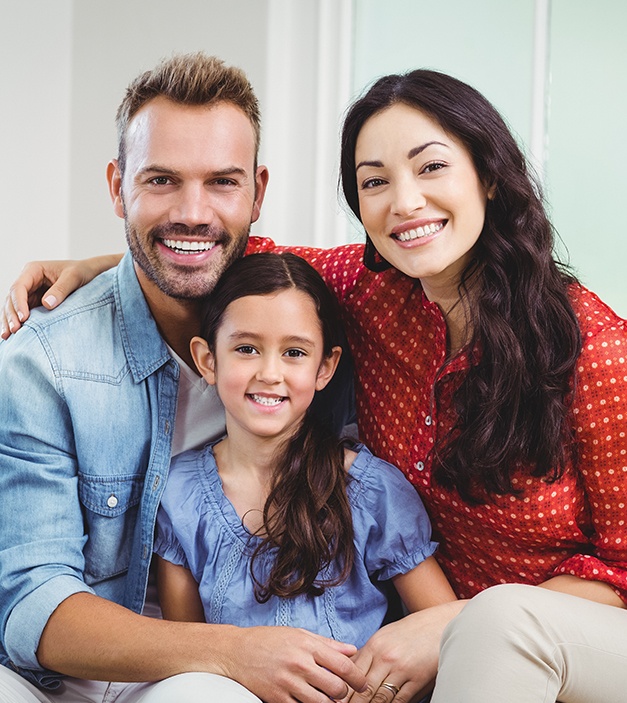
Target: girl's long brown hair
{"x": 307, "y": 518}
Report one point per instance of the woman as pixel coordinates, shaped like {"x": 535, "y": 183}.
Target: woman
{"x": 499, "y": 385}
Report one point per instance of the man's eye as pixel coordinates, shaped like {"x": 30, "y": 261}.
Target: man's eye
{"x": 160, "y": 180}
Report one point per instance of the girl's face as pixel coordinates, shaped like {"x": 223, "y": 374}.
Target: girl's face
{"x": 420, "y": 197}
{"x": 268, "y": 362}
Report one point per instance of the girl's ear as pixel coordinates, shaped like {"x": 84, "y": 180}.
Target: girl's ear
{"x": 203, "y": 358}
{"x": 327, "y": 368}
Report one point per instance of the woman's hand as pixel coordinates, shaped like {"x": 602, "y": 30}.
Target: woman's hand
{"x": 48, "y": 283}
{"x": 404, "y": 655}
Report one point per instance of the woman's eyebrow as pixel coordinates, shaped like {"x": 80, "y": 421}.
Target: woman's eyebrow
{"x": 418, "y": 149}
{"x": 410, "y": 154}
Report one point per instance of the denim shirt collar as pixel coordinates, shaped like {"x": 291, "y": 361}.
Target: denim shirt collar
{"x": 144, "y": 347}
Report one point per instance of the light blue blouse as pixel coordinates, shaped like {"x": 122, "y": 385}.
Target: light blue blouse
{"x": 198, "y": 528}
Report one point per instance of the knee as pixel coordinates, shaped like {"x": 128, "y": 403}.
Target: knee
{"x": 497, "y": 615}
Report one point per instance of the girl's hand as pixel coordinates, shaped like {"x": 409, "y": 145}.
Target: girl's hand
{"x": 284, "y": 664}
{"x": 47, "y": 283}
{"x": 404, "y": 654}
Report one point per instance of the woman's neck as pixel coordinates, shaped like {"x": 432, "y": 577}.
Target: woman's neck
{"x": 454, "y": 308}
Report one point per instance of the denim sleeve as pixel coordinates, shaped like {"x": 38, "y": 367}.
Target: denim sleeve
{"x": 41, "y": 524}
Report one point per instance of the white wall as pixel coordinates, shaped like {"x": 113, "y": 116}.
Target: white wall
{"x": 35, "y": 64}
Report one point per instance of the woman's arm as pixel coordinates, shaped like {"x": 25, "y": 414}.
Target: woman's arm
{"x": 48, "y": 283}
{"x": 178, "y": 593}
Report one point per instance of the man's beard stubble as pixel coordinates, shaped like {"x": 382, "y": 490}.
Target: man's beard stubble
{"x": 183, "y": 283}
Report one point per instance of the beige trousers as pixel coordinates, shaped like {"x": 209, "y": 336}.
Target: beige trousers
{"x": 523, "y": 644}
{"x": 184, "y": 688}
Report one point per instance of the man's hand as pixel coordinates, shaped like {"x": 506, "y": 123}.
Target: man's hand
{"x": 47, "y": 283}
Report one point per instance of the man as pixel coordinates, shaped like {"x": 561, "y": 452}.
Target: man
{"x": 88, "y": 402}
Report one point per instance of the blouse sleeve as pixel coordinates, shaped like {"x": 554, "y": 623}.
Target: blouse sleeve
{"x": 166, "y": 544}
{"x": 600, "y": 424}
{"x": 392, "y": 528}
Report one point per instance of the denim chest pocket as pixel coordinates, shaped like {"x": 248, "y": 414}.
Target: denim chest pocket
{"x": 110, "y": 509}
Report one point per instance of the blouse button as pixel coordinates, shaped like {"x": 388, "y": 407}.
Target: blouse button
{"x": 420, "y": 465}
{"x": 112, "y": 501}
{"x": 428, "y": 420}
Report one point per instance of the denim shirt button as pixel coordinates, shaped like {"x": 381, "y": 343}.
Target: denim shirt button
{"x": 112, "y": 501}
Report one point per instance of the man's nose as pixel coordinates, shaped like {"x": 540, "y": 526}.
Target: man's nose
{"x": 192, "y": 206}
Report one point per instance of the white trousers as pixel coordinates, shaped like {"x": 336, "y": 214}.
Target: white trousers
{"x": 187, "y": 688}
{"x": 524, "y": 644}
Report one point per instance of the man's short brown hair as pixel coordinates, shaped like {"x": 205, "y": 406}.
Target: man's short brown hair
{"x": 188, "y": 79}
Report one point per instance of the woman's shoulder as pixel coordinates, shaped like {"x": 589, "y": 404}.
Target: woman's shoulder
{"x": 594, "y": 315}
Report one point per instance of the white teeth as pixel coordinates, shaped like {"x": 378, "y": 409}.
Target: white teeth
{"x": 264, "y": 400}
{"x": 184, "y": 247}
{"x": 420, "y": 232}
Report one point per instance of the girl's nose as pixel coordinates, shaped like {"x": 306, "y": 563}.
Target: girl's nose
{"x": 270, "y": 370}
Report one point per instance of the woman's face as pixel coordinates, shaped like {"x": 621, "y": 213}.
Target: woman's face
{"x": 420, "y": 197}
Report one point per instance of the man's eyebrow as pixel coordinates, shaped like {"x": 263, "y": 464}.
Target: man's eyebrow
{"x": 410, "y": 154}
{"x": 220, "y": 173}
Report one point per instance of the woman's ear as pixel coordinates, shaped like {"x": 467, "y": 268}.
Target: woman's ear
{"x": 327, "y": 368}
{"x": 204, "y": 360}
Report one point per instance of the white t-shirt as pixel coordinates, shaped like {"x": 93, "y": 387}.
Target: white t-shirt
{"x": 199, "y": 411}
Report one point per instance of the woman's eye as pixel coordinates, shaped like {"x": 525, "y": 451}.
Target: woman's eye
{"x": 435, "y": 166}
{"x": 372, "y": 183}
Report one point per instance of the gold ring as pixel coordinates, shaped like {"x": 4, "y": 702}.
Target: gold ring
{"x": 390, "y": 687}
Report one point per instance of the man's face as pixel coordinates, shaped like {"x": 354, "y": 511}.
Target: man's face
{"x": 189, "y": 193}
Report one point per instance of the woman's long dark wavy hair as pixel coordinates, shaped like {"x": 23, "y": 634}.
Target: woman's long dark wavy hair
{"x": 307, "y": 517}
{"x": 514, "y": 404}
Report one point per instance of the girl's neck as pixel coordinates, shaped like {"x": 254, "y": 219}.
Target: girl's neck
{"x": 245, "y": 466}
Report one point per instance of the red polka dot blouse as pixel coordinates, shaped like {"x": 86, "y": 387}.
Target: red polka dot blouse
{"x": 576, "y": 525}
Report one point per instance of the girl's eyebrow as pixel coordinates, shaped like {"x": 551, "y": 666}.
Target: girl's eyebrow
{"x": 292, "y": 339}
{"x": 410, "y": 154}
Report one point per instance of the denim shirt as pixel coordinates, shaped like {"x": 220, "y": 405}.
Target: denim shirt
{"x": 87, "y": 405}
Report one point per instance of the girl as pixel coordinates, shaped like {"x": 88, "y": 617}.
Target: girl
{"x": 281, "y": 523}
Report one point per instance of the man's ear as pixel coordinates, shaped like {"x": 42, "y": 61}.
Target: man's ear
{"x": 114, "y": 179}
{"x": 261, "y": 183}
{"x": 204, "y": 360}
{"x": 327, "y": 368}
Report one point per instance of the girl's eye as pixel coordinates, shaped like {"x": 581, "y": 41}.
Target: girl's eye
{"x": 295, "y": 353}
{"x": 246, "y": 349}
